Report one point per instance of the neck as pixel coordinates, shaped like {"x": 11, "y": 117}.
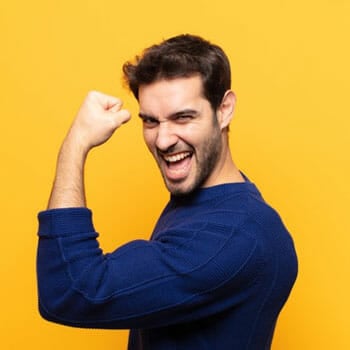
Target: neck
{"x": 229, "y": 171}
{"x": 226, "y": 171}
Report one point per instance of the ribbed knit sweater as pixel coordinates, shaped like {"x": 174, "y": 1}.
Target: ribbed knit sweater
{"x": 215, "y": 274}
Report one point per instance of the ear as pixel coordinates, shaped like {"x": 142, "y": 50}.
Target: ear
{"x": 226, "y": 108}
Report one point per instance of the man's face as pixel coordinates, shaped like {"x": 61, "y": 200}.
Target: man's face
{"x": 181, "y": 130}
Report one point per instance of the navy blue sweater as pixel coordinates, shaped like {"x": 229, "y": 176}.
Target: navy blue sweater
{"x": 215, "y": 274}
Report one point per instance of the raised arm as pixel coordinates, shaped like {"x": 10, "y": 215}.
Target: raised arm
{"x": 99, "y": 116}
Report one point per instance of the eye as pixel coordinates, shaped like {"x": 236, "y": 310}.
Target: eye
{"x": 149, "y": 122}
{"x": 183, "y": 118}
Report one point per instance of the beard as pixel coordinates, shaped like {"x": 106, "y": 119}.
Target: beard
{"x": 206, "y": 157}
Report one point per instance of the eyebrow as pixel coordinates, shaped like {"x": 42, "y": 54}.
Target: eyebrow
{"x": 145, "y": 116}
{"x": 173, "y": 115}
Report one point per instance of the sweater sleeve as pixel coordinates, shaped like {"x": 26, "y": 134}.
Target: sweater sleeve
{"x": 181, "y": 276}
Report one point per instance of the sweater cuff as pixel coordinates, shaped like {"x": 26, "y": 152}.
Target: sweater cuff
{"x": 65, "y": 221}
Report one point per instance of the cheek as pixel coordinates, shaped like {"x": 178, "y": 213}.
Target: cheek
{"x": 198, "y": 135}
{"x": 191, "y": 132}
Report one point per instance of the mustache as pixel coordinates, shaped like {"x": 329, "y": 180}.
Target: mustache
{"x": 175, "y": 149}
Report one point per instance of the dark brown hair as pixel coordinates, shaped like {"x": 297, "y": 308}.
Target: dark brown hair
{"x": 182, "y": 56}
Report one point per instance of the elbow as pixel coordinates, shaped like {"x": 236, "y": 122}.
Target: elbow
{"x": 72, "y": 309}
{"x": 58, "y": 309}
{"x": 50, "y": 310}
{"x": 46, "y": 314}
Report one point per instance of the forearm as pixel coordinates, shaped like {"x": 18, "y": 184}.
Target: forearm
{"x": 99, "y": 116}
{"x": 68, "y": 189}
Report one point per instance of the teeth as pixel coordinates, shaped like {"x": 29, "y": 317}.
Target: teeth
{"x": 176, "y": 157}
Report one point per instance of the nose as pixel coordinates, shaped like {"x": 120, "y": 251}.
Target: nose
{"x": 166, "y": 136}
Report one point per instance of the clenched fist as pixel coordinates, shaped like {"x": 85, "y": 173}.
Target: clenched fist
{"x": 99, "y": 116}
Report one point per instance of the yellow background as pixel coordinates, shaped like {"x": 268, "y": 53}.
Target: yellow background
{"x": 290, "y": 70}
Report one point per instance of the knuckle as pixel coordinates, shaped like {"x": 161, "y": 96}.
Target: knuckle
{"x": 92, "y": 94}
{"x": 118, "y": 101}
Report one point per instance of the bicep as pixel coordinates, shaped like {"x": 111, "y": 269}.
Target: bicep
{"x": 179, "y": 277}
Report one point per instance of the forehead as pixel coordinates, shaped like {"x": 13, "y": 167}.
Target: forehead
{"x": 171, "y": 95}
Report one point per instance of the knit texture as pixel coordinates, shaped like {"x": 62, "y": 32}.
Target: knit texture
{"x": 215, "y": 274}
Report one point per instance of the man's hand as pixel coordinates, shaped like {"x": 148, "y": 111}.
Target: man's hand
{"x": 99, "y": 116}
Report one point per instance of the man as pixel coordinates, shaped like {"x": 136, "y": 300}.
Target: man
{"x": 220, "y": 263}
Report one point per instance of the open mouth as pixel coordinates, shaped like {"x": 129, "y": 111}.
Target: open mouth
{"x": 178, "y": 165}
{"x": 171, "y": 159}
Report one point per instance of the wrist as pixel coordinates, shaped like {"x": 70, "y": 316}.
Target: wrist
{"x": 75, "y": 146}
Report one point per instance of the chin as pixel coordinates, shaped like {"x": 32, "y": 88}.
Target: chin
{"x": 179, "y": 194}
{"x": 181, "y": 190}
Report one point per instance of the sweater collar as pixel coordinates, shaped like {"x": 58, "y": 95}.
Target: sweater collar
{"x": 210, "y": 193}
